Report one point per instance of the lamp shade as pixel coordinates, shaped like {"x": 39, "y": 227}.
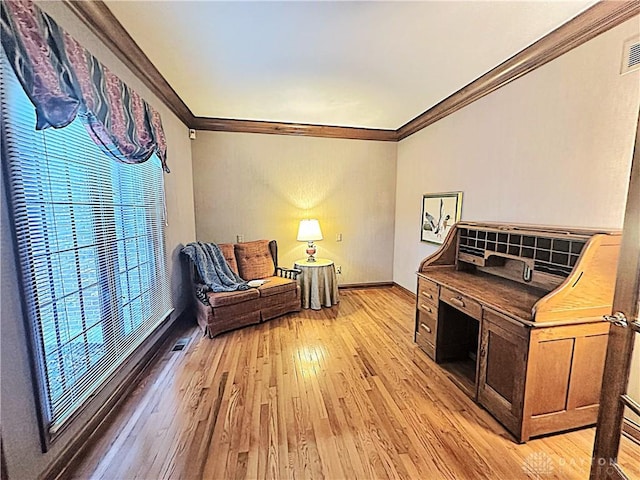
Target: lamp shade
{"x": 309, "y": 230}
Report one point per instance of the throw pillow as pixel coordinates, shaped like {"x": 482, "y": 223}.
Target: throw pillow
{"x": 254, "y": 260}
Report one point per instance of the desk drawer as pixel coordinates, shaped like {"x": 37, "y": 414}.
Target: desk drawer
{"x": 427, "y": 291}
{"x": 428, "y": 308}
{"x": 427, "y": 326}
{"x": 461, "y": 302}
{"x": 425, "y": 345}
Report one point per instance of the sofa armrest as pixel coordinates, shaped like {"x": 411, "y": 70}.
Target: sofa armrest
{"x": 291, "y": 273}
{"x": 200, "y": 291}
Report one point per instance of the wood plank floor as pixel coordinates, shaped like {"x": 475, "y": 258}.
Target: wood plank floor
{"x": 339, "y": 393}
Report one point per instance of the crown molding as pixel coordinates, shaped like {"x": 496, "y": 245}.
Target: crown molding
{"x": 303, "y": 129}
{"x": 97, "y": 16}
{"x": 597, "y": 19}
{"x": 103, "y": 23}
{"x": 592, "y": 22}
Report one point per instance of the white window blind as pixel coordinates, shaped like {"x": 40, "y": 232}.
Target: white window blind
{"x": 90, "y": 239}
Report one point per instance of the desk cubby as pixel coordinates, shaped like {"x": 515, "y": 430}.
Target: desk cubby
{"x": 544, "y": 253}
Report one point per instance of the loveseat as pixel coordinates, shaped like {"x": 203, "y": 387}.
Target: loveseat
{"x": 219, "y": 312}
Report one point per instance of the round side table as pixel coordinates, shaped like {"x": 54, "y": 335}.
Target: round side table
{"x": 318, "y": 284}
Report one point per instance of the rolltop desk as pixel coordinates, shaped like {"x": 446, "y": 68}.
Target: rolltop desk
{"x": 513, "y": 314}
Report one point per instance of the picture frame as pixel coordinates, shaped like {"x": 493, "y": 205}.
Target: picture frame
{"x": 439, "y": 212}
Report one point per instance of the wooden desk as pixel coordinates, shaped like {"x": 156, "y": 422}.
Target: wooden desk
{"x": 519, "y": 327}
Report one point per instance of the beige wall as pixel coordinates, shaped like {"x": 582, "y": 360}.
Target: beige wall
{"x": 20, "y": 437}
{"x": 554, "y": 147}
{"x": 261, "y": 186}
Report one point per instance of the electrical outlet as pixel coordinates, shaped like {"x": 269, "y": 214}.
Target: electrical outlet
{"x": 240, "y": 238}
{"x": 339, "y": 270}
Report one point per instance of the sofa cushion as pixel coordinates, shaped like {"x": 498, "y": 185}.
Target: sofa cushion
{"x": 220, "y": 299}
{"x": 276, "y": 285}
{"x": 229, "y": 255}
{"x": 254, "y": 260}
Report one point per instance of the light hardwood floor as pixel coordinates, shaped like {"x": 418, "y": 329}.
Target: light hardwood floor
{"x": 339, "y": 393}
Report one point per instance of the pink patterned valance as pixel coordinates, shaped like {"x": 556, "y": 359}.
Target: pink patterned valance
{"x": 63, "y": 80}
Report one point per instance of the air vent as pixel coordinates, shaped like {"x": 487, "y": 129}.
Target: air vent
{"x": 631, "y": 55}
{"x": 180, "y": 344}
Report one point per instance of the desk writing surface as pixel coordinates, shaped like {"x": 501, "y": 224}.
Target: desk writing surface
{"x": 506, "y": 296}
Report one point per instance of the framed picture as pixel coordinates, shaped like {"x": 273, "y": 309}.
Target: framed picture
{"x": 439, "y": 212}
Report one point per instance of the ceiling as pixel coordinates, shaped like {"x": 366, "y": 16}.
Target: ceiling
{"x": 367, "y": 64}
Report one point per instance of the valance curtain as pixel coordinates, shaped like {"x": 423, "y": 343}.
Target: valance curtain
{"x": 63, "y": 80}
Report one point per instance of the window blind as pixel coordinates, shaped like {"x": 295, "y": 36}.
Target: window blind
{"x": 90, "y": 242}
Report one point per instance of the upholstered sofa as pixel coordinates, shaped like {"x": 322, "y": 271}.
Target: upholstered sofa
{"x": 257, "y": 260}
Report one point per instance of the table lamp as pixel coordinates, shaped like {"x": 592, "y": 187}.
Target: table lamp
{"x": 309, "y": 231}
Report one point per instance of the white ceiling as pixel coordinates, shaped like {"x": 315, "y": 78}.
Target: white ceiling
{"x": 362, "y": 64}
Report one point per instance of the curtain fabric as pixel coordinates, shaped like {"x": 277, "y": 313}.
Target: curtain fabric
{"x": 63, "y": 80}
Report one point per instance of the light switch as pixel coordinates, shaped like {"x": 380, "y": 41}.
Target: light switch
{"x": 338, "y": 237}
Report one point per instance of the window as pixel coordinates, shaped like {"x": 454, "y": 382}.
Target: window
{"x": 90, "y": 240}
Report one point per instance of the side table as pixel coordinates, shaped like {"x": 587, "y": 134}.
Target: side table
{"x": 318, "y": 284}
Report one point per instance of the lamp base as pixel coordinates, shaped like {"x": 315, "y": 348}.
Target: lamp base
{"x": 311, "y": 251}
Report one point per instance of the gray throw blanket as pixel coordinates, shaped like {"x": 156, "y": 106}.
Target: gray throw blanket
{"x": 213, "y": 268}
